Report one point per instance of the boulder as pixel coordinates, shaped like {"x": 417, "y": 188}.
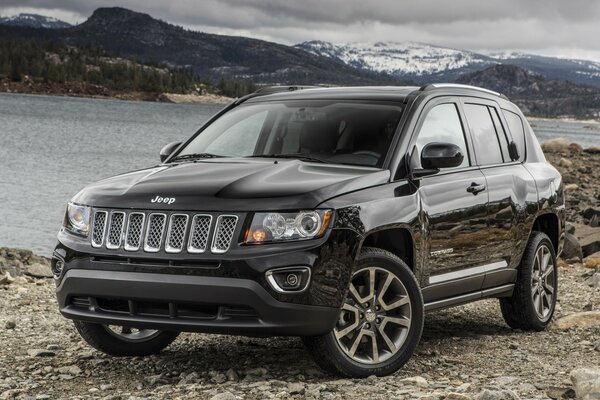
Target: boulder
{"x": 592, "y": 150}
{"x": 563, "y": 162}
{"x": 575, "y": 148}
{"x": 594, "y": 280}
{"x": 572, "y": 248}
{"x": 584, "y": 319}
{"x": 38, "y": 270}
{"x": 586, "y": 382}
{"x": 557, "y": 145}
{"x": 590, "y": 212}
{"x": 497, "y": 395}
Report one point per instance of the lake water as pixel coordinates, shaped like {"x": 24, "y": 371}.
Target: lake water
{"x": 50, "y": 147}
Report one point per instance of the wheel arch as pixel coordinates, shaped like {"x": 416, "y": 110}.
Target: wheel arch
{"x": 549, "y": 224}
{"x": 398, "y": 240}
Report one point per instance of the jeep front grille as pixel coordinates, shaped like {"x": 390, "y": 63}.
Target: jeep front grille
{"x": 224, "y": 233}
{"x": 115, "y": 230}
{"x": 170, "y": 232}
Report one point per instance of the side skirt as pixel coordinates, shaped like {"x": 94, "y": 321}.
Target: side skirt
{"x": 500, "y": 291}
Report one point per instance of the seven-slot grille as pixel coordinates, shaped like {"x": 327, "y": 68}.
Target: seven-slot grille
{"x": 154, "y": 231}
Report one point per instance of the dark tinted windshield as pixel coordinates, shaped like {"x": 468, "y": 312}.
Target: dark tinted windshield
{"x": 341, "y": 132}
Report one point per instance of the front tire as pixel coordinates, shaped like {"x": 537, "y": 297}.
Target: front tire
{"x": 534, "y": 298}
{"x": 123, "y": 341}
{"x": 380, "y": 323}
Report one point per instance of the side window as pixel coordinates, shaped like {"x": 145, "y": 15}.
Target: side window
{"x": 442, "y": 124}
{"x": 240, "y": 138}
{"x": 515, "y": 126}
{"x": 502, "y": 137}
{"x": 485, "y": 139}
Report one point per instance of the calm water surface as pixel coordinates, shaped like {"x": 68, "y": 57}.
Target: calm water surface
{"x": 50, "y": 147}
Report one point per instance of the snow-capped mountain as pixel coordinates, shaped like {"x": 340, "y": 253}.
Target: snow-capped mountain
{"x": 34, "y": 21}
{"x": 422, "y": 62}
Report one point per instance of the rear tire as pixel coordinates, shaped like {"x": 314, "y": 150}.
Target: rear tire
{"x": 138, "y": 343}
{"x": 380, "y": 323}
{"x": 534, "y": 298}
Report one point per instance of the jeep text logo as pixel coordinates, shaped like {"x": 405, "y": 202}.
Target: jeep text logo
{"x": 165, "y": 200}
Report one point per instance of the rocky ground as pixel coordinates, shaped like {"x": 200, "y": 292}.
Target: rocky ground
{"x": 465, "y": 353}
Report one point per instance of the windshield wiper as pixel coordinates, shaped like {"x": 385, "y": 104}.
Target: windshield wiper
{"x": 194, "y": 156}
{"x": 300, "y": 156}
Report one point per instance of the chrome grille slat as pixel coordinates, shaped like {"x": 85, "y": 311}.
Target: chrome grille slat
{"x": 225, "y": 228}
{"x": 135, "y": 228}
{"x": 199, "y": 232}
{"x": 115, "y": 230}
{"x": 154, "y": 232}
{"x": 176, "y": 233}
{"x": 99, "y": 228}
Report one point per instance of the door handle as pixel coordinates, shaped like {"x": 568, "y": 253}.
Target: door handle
{"x": 475, "y": 188}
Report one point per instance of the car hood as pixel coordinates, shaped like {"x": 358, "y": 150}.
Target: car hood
{"x": 230, "y": 185}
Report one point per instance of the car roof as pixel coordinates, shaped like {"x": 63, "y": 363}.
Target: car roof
{"x": 381, "y": 93}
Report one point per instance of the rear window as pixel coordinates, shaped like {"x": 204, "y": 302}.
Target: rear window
{"x": 483, "y": 132}
{"x": 515, "y": 126}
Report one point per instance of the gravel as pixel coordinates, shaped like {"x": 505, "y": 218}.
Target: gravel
{"x": 466, "y": 353}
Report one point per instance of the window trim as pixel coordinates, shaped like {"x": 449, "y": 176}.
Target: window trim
{"x": 489, "y": 103}
{"x": 419, "y": 123}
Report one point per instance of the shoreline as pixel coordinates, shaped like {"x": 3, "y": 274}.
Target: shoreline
{"x": 79, "y": 90}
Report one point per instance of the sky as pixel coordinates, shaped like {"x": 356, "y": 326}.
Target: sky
{"x": 564, "y": 28}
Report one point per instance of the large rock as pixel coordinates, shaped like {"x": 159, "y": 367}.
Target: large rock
{"x": 557, "y": 145}
{"x": 583, "y": 319}
{"x": 572, "y": 248}
{"x": 589, "y": 238}
{"x": 593, "y": 150}
{"x": 586, "y": 382}
{"x": 38, "y": 270}
{"x": 497, "y": 395}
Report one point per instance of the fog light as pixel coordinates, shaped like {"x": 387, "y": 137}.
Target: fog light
{"x": 289, "y": 279}
{"x": 57, "y": 268}
{"x": 292, "y": 279}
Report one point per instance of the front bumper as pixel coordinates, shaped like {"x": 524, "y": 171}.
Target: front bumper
{"x": 186, "y": 303}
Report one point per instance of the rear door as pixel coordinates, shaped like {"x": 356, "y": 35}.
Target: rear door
{"x": 507, "y": 184}
{"x": 453, "y": 214}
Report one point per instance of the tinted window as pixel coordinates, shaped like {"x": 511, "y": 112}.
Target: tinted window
{"x": 503, "y": 139}
{"x": 515, "y": 125}
{"x": 442, "y": 124}
{"x": 485, "y": 140}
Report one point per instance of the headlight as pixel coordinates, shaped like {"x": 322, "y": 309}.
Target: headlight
{"x": 77, "y": 219}
{"x": 277, "y": 227}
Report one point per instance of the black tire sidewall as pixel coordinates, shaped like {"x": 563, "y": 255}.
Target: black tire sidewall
{"x": 370, "y": 258}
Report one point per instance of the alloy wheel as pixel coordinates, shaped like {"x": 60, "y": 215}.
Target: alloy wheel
{"x": 376, "y": 316}
{"x": 129, "y": 334}
{"x": 542, "y": 282}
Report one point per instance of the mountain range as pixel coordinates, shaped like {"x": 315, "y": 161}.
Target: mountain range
{"x": 529, "y": 79}
{"x": 425, "y": 63}
{"x": 34, "y": 21}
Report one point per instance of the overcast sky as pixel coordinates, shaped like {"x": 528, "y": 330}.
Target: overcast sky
{"x": 567, "y": 28}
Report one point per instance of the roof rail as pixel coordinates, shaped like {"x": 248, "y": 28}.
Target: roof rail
{"x": 460, "y": 86}
{"x": 265, "y": 90}
{"x": 278, "y": 89}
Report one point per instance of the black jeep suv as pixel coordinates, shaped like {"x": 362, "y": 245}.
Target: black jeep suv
{"x": 339, "y": 215}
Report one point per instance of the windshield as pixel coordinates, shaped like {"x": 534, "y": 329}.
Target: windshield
{"x": 340, "y": 132}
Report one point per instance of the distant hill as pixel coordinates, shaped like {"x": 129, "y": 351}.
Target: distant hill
{"x": 425, "y": 63}
{"x": 34, "y": 21}
{"x": 537, "y": 95}
{"x": 133, "y": 34}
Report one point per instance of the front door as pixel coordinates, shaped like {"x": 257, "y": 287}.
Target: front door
{"x": 453, "y": 205}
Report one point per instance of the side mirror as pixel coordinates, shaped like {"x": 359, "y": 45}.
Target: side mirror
{"x": 166, "y": 151}
{"x": 441, "y": 155}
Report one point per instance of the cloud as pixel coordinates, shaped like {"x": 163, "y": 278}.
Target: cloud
{"x": 544, "y": 26}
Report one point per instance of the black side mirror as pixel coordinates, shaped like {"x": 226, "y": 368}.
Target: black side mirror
{"x": 441, "y": 155}
{"x": 166, "y": 151}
